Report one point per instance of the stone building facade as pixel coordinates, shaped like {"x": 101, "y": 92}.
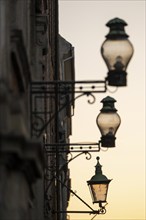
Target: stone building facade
{"x": 32, "y": 120}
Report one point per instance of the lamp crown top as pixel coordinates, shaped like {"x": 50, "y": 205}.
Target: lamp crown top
{"x": 117, "y": 31}
{"x": 108, "y": 99}
{"x": 98, "y": 166}
{"x": 97, "y": 158}
{"x": 116, "y": 21}
{"x": 98, "y": 178}
{"x": 108, "y": 104}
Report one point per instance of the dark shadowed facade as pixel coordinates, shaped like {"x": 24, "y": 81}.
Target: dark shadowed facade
{"x": 32, "y": 53}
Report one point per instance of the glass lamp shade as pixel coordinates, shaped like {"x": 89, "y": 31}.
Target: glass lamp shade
{"x": 98, "y": 191}
{"x": 117, "y": 51}
{"x": 98, "y": 185}
{"x": 108, "y": 122}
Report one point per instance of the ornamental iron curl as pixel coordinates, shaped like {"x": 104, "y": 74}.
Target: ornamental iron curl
{"x": 80, "y": 152}
{"x": 37, "y": 122}
{"x": 101, "y": 209}
{"x": 42, "y": 89}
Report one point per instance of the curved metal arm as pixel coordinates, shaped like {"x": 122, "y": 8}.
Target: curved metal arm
{"x": 80, "y": 152}
{"x": 40, "y": 130}
{"x": 102, "y": 209}
{"x": 72, "y": 158}
{"x": 64, "y": 88}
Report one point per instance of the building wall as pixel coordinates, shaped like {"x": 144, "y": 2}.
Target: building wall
{"x": 31, "y": 50}
{"x": 21, "y": 158}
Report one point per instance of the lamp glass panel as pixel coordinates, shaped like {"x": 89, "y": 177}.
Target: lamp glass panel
{"x": 108, "y": 123}
{"x": 99, "y": 192}
{"x": 117, "y": 53}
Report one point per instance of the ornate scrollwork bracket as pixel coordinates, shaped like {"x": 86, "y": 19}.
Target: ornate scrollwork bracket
{"x": 42, "y": 90}
{"x": 100, "y": 211}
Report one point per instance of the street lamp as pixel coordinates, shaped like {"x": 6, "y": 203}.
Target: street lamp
{"x": 108, "y": 121}
{"x": 98, "y": 185}
{"x": 117, "y": 51}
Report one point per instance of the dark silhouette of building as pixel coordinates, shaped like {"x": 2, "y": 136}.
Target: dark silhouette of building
{"x": 32, "y": 51}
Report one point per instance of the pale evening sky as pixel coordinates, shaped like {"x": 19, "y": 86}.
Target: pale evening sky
{"x": 82, "y": 23}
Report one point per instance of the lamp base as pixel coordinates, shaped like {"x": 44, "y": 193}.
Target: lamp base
{"x": 117, "y": 78}
{"x": 108, "y": 141}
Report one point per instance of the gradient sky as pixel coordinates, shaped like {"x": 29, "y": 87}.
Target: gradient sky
{"x": 82, "y": 23}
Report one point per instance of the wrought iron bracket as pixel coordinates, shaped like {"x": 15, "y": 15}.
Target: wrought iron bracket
{"x": 101, "y": 209}
{"x": 64, "y": 87}
{"x": 43, "y": 90}
{"x": 74, "y": 147}
{"x": 77, "y": 148}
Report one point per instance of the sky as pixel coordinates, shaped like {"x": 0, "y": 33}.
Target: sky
{"x": 82, "y": 23}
